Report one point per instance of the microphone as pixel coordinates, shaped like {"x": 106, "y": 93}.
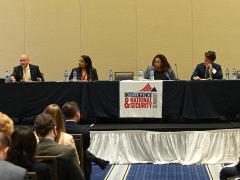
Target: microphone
{"x": 176, "y": 71}
{"x": 90, "y": 74}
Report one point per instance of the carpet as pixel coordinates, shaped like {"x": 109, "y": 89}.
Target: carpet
{"x": 157, "y": 172}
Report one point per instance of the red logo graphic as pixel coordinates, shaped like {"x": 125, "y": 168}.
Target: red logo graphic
{"x": 146, "y": 98}
{"x": 147, "y": 88}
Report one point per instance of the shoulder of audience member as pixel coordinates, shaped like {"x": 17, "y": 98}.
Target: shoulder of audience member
{"x": 66, "y": 137}
{"x": 13, "y": 169}
{"x": 84, "y": 129}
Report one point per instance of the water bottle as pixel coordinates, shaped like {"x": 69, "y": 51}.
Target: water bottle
{"x": 152, "y": 75}
{"x": 140, "y": 75}
{"x": 65, "y": 75}
{"x": 74, "y": 75}
{"x": 227, "y": 74}
{"x": 7, "y": 77}
{"x": 110, "y": 75}
{"x": 234, "y": 74}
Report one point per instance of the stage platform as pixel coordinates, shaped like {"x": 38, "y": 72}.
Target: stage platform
{"x": 163, "y": 127}
{"x": 160, "y": 143}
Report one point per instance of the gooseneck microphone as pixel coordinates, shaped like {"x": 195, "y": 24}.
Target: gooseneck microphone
{"x": 176, "y": 71}
{"x": 90, "y": 74}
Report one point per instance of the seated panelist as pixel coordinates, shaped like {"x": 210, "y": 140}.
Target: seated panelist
{"x": 25, "y": 71}
{"x": 208, "y": 69}
{"x": 161, "y": 68}
{"x": 85, "y": 71}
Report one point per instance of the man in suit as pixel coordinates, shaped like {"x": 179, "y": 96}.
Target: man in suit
{"x": 25, "y": 71}
{"x": 71, "y": 113}
{"x": 208, "y": 69}
{"x": 68, "y": 166}
{"x": 8, "y": 171}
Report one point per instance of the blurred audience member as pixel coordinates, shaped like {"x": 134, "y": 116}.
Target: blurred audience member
{"x": 6, "y": 124}
{"x": 68, "y": 166}
{"x": 22, "y": 152}
{"x": 71, "y": 113}
{"x": 62, "y": 137}
{"x": 8, "y": 171}
{"x": 5, "y": 143}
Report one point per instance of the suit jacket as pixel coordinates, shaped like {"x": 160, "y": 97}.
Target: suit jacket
{"x": 200, "y": 71}
{"x": 9, "y": 171}
{"x": 68, "y": 166}
{"x": 73, "y": 128}
{"x": 34, "y": 71}
{"x": 91, "y": 75}
{"x": 169, "y": 73}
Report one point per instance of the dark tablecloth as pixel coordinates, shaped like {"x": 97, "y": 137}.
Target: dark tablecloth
{"x": 183, "y": 101}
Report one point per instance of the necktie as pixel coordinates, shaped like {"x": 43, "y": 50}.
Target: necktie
{"x": 208, "y": 73}
{"x": 26, "y": 76}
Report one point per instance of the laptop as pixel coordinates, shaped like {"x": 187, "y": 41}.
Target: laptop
{"x": 2, "y": 80}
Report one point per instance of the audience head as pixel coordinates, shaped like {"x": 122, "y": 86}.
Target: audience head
{"x": 210, "y": 57}
{"x": 71, "y": 111}
{"x": 5, "y": 143}
{"x": 160, "y": 62}
{"x": 55, "y": 111}
{"x": 6, "y": 124}
{"x": 44, "y": 126}
{"x": 85, "y": 62}
{"x": 22, "y": 150}
{"x": 24, "y": 60}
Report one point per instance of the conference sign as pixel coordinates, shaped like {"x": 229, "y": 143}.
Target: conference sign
{"x": 141, "y": 99}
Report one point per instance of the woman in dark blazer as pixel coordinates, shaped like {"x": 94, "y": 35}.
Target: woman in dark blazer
{"x": 85, "y": 71}
{"x": 161, "y": 68}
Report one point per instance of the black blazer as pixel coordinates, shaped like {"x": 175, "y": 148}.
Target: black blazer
{"x": 34, "y": 71}
{"x": 73, "y": 128}
{"x": 91, "y": 75}
{"x": 201, "y": 69}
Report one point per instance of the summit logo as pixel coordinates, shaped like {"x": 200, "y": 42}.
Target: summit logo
{"x": 145, "y": 98}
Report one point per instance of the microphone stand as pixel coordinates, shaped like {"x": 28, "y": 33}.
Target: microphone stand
{"x": 176, "y": 71}
{"x": 90, "y": 74}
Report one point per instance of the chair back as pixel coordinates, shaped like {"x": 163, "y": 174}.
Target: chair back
{"x": 30, "y": 176}
{"x": 78, "y": 139}
{"x": 51, "y": 161}
{"x": 123, "y": 76}
{"x": 234, "y": 178}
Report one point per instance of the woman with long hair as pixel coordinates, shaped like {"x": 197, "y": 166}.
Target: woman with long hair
{"x": 161, "y": 69}
{"x": 62, "y": 137}
{"x": 85, "y": 71}
{"x": 22, "y": 152}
